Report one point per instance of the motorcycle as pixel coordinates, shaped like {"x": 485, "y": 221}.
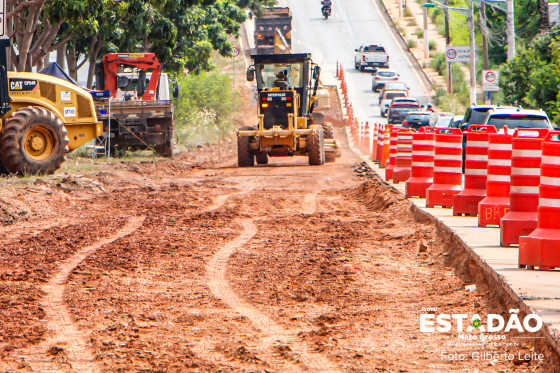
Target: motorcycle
{"x": 326, "y": 11}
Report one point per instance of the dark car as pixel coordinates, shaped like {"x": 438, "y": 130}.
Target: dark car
{"x": 416, "y": 119}
{"x": 476, "y": 113}
{"x": 399, "y": 109}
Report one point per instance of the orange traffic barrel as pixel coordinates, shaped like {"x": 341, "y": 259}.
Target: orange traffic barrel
{"x": 364, "y": 139}
{"x": 542, "y": 247}
{"x": 448, "y": 164}
{"x": 521, "y": 218}
{"x": 375, "y": 138}
{"x": 379, "y": 152}
{"x": 496, "y": 203}
{"x": 476, "y": 164}
{"x": 386, "y": 144}
{"x": 392, "y": 154}
{"x": 403, "y": 157}
{"x": 422, "y": 167}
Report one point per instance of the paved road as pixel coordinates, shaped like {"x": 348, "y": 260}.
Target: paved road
{"x": 352, "y": 23}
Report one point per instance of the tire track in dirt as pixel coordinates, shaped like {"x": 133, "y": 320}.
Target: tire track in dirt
{"x": 65, "y": 335}
{"x": 216, "y": 272}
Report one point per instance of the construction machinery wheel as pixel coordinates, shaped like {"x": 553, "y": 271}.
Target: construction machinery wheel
{"x": 318, "y": 118}
{"x": 316, "y": 146}
{"x": 261, "y": 158}
{"x": 328, "y": 131}
{"x": 33, "y": 141}
{"x": 330, "y": 157}
{"x": 245, "y": 157}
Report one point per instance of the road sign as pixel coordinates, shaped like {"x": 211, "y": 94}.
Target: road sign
{"x": 458, "y": 53}
{"x": 235, "y": 52}
{"x": 490, "y": 80}
{"x": 2, "y": 18}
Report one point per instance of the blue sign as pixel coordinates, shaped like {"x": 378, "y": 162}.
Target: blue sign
{"x": 101, "y": 94}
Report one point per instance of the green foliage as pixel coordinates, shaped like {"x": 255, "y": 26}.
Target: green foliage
{"x": 411, "y": 22}
{"x": 411, "y": 43}
{"x": 407, "y": 12}
{"x": 206, "y": 109}
{"x": 419, "y": 33}
{"x": 533, "y": 78}
{"x": 432, "y": 45}
{"x": 438, "y": 63}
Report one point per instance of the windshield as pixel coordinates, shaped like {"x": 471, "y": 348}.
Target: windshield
{"x": 374, "y": 48}
{"x": 267, "y": 74}
{"x": 518, "y": 120}
{"x": 405, "y": 106}
{"x": 386, "y": 74}
{"x": 443, "y": 122}
{"x": 394, "y": 85}
{"x": 476, "y": 116}
{"x": 395, "y": 94}
{"x": 418, "y": 117}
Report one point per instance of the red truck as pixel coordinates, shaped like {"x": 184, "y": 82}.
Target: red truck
{"x": 140, "y": 113}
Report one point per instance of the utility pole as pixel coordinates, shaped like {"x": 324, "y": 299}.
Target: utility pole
{"x": 473, "y": 54}
{"x": 510, "y": 30}
{"x": 447, "y": 42}
{"x": 426, "y": 37}
{"x": 488, "y": 97}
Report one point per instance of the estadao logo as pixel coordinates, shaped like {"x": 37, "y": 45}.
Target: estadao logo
{"x": 494, "y": 323}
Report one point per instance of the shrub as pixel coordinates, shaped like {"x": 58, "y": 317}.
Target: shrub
{"x": 432, "y": 45}
{"x": 411, "y": 43}
{"x": 419, "y": 33}
{"x": 206, "y": 109}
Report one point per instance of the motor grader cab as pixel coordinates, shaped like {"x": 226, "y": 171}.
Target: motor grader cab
{"x": 41, "y": 119}
{"x": 287, "y": 90}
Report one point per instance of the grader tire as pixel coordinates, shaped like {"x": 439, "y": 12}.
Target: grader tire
{"x": 318, "y": 118}
{"x": 33, "y": 141}
{"x": 316, "y": 146}
{"x": 245, "y": 157}
{"x": 330, "y": 157}
{"x": 261, "y": 158}
{"x": 328, "y": 131}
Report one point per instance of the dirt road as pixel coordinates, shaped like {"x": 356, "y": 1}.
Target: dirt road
{"x": 195, "y": 265}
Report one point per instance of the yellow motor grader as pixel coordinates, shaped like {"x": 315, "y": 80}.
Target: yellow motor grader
{"x": 41, "y": 119}
{"x": 287, "y": 91}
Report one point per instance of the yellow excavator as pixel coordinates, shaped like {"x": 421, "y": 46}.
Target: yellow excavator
{"x": 41, "y": 119}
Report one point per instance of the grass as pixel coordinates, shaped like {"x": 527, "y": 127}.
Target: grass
{"x": 411, "y": 43}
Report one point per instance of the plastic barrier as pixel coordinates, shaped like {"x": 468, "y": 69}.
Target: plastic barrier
{"x": 403, "y": 158}
{"x": 542, "y": 247}
{"x": 521, "y": 218}
{"x": 364, "y": 140}
{"x": 386, "y": 145}
{"x": 380, "y": 141}
{"x": 375, "y": 138}
{"x": 392, "y": 154}
{"x": 422, "y": 167}
{"x": 476, "y": 163}
{"x": 448, "y": 162}
{"x": 496, "y": 203}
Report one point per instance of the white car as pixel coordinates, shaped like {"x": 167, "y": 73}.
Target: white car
{"x": 441, "y": 120}
{"x": 516, "y": 118}
{"x": 381, "y": 76}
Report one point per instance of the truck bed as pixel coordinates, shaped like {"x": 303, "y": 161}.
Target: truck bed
{"x": 140, "y": 109}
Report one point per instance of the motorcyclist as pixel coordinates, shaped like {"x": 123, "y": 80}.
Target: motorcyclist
{"x": 429, "y": 108}
{"x": 325, "y": 4}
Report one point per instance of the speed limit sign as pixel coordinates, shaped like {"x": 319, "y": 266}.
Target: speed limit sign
{"x": 235, "y": 52}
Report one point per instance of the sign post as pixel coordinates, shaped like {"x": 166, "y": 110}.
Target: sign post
{"x": 490, "y": 80}
{"x": 234, "y": 53}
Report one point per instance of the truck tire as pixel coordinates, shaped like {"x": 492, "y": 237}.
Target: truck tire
{"x": 318, "y": 118}
{"x": 316, "y": 146}
{"x": 245, "y": 157}
{"x": 33, "y": 141}
{"x": 328, "y": 131}
{"x": 356, "y": 66}
{"x": 261, "y": 158}
{"x": 362, "y": 68}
